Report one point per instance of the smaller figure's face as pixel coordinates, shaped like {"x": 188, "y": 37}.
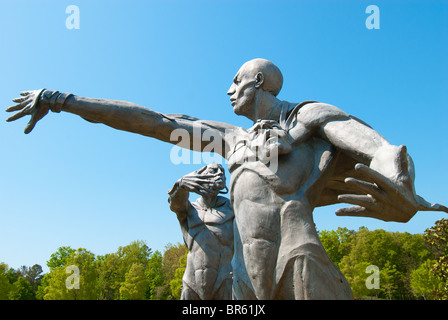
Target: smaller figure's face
{"x": 220, "y": 183}
{"x": 242, "y": 93}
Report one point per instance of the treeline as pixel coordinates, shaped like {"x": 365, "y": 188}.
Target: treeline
{"x": 133, "y": 272}
{"x": 410, "y": 266}
{"x": 407, "y": 266}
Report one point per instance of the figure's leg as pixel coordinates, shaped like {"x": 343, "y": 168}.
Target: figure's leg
{"x": 224, "y": 291}
{"x": 253, "y": 270}
{"x": 240, "y": 290}
{"x": 260, "y": 260}
{"x": 188, "y": 293}
{"x": 205, "y": 281}
{"x": 309, "y": 278}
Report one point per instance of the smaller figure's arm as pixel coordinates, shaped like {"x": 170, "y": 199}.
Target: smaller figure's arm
{"x": 179, "y": 204}
{"x": 178, "y": 200}
{"x": 196, "y": 182}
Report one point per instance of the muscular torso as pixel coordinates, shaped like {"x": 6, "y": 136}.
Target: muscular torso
{"x": 209, "y": 238}
{"x": 255, "y": 187}
{"x": 273, "y": 207}
{"x": 216, "y": 222}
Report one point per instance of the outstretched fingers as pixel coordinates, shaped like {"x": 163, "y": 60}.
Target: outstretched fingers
{"x": 19, "y": 106}
{"x": 20, "y": 99}
{"x": 353, "y": 211}
{"x": 381, "y": 181}
{"x": 22, "y": 102}
{"x": 366, "y": 201}
{"x": 30, "y": 126}
{"x": 23, "y": 112}
{"x": 367, "y": 188}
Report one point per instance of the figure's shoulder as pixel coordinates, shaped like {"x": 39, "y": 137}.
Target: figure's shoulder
{"x": 224, "y": 199}
{"x": 312, "y": 113}
{"x": 224, "y": 202}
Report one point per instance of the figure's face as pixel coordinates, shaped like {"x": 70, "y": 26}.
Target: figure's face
{"x": 242, "y": 92}
{"x": 221, "y": 182}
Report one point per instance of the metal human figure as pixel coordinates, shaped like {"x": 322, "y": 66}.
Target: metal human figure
{"x": 207, "y": 228}
{"x": 323, "y": 156}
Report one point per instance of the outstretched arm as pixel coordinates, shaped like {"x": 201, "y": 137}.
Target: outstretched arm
{"x": 124, "y": 116}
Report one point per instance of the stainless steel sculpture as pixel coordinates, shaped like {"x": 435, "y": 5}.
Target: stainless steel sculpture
{"x": 207, "y": 228}
{"x": 321, "y": 154}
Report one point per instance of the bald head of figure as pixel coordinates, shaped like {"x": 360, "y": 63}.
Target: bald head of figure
{"x": 267, "y": 72}
{"x": 254, "y": 75}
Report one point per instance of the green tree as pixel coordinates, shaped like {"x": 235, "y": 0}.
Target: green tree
{"x": 336, "y": 243}
{"x": 355, "y": 273}
{"x": 34, "y": 276}
{"x": 109, "y": 277}
{"x": 170, "y": 262}
{"x": 5, "y": 285}
{"x": 112, "y": 268}
{"x": 59, "y": 287}
{"x": 423, "y": 282}
{"x": 390, "y": 280}
{"x": 41, "y": 289}
{"x": 176, "y": 282}
{"x": 21, "y": 290}
{"x": 136, "y": 252}
{"x": 135, "y": 285}
{"x": 155, "y": 275}
{"x": 395, "y": 254}
{"x": 59, "y": 258}
{"x": 437, "y": 239}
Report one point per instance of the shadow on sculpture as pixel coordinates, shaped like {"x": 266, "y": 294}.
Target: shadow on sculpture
{"x": 296, "y": 157}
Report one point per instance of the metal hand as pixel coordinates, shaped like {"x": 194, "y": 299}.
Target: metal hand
{"x": 384, "y": 198}
{"x": 28, "y": 104}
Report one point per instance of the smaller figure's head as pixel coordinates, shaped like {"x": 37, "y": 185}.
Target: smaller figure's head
{"x": 256, "y": 74}
{"x": 219, "y": 183}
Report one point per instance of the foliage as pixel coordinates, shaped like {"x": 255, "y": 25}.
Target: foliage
{"x": 60, "y": 281}
{"x": 133, "y": 272}
{"x": 409, "y": 266}
{"x": 170, "y": 263}
{"x": 135, "y": 285}
{"x": 59, "y": 258}
{"x": 336, "y": 243}
{"x": 176, "y": 283}
{"x": 155, "y": 275}
{"x": 21, "y": 290}
{"x": 395, "y": 254}
{"x": 5, "y": 285}
{"x": 437, "y": 239}
{"x": 423, "y": 282}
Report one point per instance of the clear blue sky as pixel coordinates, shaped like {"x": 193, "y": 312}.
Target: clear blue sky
{"x": 73, "y": 183}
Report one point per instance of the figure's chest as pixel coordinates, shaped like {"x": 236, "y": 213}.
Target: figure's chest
{"x": 200, "y": 216}
{"x": 290, "y": 174}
